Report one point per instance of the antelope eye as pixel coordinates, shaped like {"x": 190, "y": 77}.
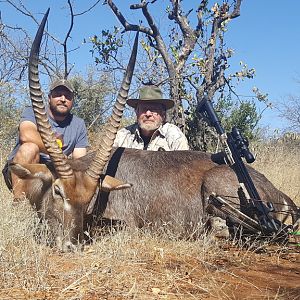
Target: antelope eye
{"x": 57, "y": 190}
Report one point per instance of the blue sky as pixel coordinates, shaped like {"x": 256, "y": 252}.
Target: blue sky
{"x": 266, "y": 36}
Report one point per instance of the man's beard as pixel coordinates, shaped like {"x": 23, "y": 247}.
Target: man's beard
{"x": 56, "y": 112}
{"x": 151, "y": 126}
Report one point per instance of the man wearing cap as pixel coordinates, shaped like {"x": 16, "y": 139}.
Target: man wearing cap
{"x": 151, "y": 131}
{"x": 70, "y": 131}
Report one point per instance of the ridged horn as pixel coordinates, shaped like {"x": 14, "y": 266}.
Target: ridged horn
{"x": 113, "y": 124}
{"x": 62, "y": 168}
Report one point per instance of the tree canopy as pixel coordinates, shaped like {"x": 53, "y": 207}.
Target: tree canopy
{"x": 184, "y": 50}
{"x": 187, "y": 55}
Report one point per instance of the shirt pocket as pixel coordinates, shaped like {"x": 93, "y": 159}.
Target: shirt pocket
{"x": 159, "y": 143}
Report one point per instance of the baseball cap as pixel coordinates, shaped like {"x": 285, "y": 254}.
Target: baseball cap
{"x": 61, "y": 82}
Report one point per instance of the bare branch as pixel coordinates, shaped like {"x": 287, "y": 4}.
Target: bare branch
{"x": 27, "y": 13}
{"x": 142, "y": 4}
{"x": 236, "y": 10}
{"x": 87, "y": 10}
{"x": 152, "y": 31}
{"x": 201, "y": 8}
{"x": 213, "y": 80}
{"x": 190, "y": 36}
{"x": 127, "y": 26}
{"x": 24, "y": 11}
{"x": 66, "y": 39}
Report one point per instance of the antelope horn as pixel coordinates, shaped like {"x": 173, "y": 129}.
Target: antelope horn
{"x": 113, "y": 124}
{"x": 62, "y": 168}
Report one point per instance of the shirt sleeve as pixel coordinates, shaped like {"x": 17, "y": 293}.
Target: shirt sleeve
{"x": 28, "y": 115}
{"x": 180, "y": 143}
{"x": 120, "y": 137}
{"x": 82, "y": 140}
{"x": 176, "y": 139}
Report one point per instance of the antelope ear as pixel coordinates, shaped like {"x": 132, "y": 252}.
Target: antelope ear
{"x": 20, "y": 171}
{"x": 30, "y": 171}
{"x": 109, "y": 184}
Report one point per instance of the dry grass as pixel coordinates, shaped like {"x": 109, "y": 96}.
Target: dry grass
{"x": 120, "y": 265}
{"x": 280, "y": 162}
{"x": 137, "y": 264}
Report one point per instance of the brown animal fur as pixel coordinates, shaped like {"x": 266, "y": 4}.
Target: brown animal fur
{"x": 172, "y": 188}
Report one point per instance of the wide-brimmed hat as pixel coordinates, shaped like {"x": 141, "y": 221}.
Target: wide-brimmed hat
{"x": 61, "y": 82}
{"x": 153, "y": 94}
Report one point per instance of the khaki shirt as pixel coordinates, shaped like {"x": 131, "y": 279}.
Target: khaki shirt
{"x": 167, "y": 137}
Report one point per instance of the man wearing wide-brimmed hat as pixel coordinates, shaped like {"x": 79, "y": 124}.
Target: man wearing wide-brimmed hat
{"x": 69, "y": 129}
{"x": 151, "y": 131}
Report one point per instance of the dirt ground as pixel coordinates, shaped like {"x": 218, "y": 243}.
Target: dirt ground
{"x": 238, "y": 274}
{"x": 270, "y": 275}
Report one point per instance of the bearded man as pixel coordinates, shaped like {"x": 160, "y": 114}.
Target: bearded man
{"x": 151, "y": 131}
{"x": 69, "y": 129}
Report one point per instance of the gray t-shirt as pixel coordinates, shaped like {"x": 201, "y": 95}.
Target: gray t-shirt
{"x": 72, "y": 130}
